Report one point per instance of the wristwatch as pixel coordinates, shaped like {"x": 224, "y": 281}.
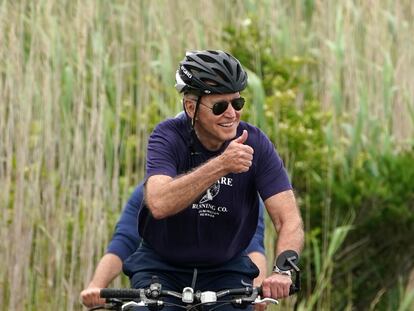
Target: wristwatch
{"x": 282, "y": 272}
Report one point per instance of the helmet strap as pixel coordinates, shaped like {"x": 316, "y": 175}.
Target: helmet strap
{"x": 193, "y": 121}
{"x": 192, "y": 131}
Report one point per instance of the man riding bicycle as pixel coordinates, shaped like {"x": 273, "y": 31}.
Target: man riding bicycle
{"x": 204, "y": 171}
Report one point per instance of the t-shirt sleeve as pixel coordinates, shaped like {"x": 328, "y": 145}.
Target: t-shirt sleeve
{"x": 126, "y": 238}
{"x": 161, "y": 154}
{"x": 257, "y": 242}
{"x": 271, "y": 175}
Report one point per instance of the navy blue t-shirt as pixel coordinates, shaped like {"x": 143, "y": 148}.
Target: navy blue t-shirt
{"x": 221, "y": 223}
{"x": 126, "y": 240}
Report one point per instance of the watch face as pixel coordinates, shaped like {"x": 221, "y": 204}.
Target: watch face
{"x": 287, "y": 260}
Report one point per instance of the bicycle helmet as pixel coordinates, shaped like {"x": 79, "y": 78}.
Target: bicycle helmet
{"x": 210, "y": 72}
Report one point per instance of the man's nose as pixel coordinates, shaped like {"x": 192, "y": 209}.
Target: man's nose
{"x": 230, "y": 111}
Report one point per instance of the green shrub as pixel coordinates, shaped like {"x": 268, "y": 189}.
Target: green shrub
{"x": 337, "y": 182}
{"x": 383, "y": 202}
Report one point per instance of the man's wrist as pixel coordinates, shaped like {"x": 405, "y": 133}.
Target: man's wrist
{"x": 95, "y": 285}
{"x": 219, "y": 163}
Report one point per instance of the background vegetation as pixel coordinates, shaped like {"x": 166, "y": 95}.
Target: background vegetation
{"x": 82, "y": 84}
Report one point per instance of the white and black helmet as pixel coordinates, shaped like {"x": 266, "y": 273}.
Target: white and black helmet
{"x": 210, "y": 72}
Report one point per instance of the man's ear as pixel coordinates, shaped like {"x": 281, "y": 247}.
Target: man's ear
{"x": 189, "y": 106}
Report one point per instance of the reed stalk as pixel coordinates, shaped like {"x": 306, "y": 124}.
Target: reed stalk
{"x": 83, "y": 82}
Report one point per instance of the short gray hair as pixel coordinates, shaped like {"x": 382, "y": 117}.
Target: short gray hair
{"x": 190, "y": 96}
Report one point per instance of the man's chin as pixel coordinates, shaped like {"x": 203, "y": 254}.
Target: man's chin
{"x": 230, "y": 136}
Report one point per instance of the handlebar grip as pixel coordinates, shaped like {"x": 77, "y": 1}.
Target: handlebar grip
{"x": 292, "y": 290}
{"x": 119, "y": 293}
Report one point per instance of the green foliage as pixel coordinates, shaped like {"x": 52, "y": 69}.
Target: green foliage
{"x": 83, "y": 83}
{"x": 383, "y": 203}
{"x": 342, "y": 179}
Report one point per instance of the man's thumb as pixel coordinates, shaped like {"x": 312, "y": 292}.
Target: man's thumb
{"x": 242, "y": 138}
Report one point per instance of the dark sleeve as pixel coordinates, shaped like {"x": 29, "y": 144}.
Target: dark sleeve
{"x": 161, "y": 150}
{"x": 257, "y": 242}
{"x": 126, "y": 238}
{"x": 271, "y": 175}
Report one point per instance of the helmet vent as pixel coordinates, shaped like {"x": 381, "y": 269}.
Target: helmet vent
{"x": 209, "y": 82}
{"x": 193, "y": 69}
{"x": 221, "y": 75}
{"x": 207, "y": 58}
{"x": 238, "y": 72}
{"x": 213, "y": 52}
{"x": 227, "y": 64}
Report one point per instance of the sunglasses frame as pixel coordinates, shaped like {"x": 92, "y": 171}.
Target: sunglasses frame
{"x": 221, "y": 106}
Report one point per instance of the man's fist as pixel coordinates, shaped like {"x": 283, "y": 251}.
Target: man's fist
{"x": 238, "y": 157}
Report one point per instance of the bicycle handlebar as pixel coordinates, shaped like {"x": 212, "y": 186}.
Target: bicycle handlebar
{"x": 151, "y": 297}
{"x": 133, "y": 293}
{"x": 121, "y": 293}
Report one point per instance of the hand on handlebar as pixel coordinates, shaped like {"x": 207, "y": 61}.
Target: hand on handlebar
{"x": 276, "y": 286}
{"x": 90, "y": 297}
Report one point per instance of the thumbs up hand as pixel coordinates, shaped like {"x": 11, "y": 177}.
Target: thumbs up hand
{"x": 238, "y": 157}
{"x": 242, "y": 138}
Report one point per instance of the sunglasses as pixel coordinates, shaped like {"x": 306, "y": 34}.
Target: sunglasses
{"x": 221, "y": 106}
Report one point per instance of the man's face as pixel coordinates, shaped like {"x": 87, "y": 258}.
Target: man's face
{"x": 213, "y": 130}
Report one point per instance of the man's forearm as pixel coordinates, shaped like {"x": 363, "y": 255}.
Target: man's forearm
{"x": 167, "y": 196}
{"x": 109, "y": 267}
{"x": 286, "y": 217}
{"x": 290, "y": 236}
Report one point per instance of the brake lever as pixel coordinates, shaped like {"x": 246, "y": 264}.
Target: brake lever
{"x": 110, "y": 304}
{"x": 131, "y": 304}
{"x": 265, "y": 300}
{"x": 256, "y": 299}
{"x": 148, "y": 303}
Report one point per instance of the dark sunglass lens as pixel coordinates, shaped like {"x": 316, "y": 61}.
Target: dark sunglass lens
{"x": 238, "y": 103}
{"x": 220, "y": 107}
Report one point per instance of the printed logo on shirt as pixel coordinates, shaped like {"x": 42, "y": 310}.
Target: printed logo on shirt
{"x": 210, "y": 193}
{"x": 210, "y": 210}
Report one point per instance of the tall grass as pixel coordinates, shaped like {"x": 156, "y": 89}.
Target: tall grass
{"x": 83, "y": 82}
